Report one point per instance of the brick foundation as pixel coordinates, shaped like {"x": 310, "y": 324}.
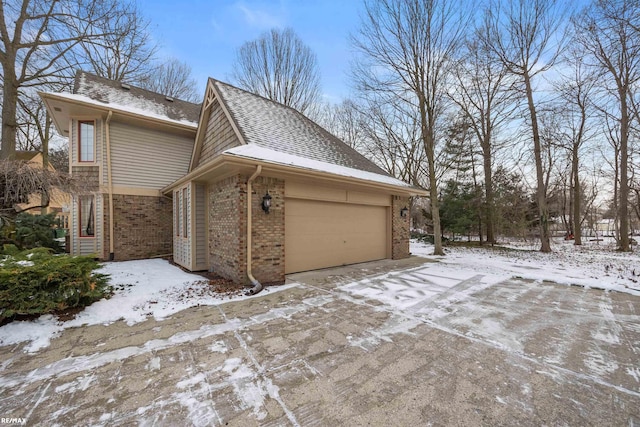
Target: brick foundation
{"x": 399, "y": 228}
{"x": 142, "y": 227}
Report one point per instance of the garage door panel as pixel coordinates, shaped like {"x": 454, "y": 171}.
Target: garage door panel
{"x": 325, "y": 234}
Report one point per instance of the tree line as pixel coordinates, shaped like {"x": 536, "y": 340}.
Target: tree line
{"x": 447, "y": 95}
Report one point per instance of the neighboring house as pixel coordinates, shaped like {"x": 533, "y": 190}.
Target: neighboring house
{"x": 59, "y": 201}
{"x": 182, "y": 177}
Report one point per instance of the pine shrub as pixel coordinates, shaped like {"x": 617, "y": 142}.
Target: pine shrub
{"x": 37, "y": 282}
{"x": 36, "y": 230}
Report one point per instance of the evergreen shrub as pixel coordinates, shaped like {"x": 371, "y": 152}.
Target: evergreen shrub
{"x": 36, "y": 281}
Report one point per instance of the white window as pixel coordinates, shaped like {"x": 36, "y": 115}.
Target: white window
{"x": 86, "y": 205}
{"x": 85, "y": 142}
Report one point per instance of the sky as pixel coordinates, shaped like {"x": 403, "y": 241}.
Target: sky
{"x": 206, "y": 34}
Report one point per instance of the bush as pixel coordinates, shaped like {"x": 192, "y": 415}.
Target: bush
{"x": 36, "y": 231}
{"x": 37, "y": 282}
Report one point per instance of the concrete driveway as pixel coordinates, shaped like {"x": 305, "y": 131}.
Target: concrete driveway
{"x": 381, "y": 343}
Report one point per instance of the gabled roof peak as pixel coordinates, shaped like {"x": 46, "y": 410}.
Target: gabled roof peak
{"x": 280, "y": 128}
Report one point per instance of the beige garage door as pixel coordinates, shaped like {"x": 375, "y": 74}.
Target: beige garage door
{"x": 325, "y": 234}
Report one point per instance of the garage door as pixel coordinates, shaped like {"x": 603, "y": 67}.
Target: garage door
{"x": 325, "y": 234}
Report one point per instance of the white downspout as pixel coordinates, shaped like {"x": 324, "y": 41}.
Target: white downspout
{"x": 257, "y": 286}
{"x": 110, "y": 187}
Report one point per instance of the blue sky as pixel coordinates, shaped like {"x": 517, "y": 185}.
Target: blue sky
{"x": 205, "y": 33}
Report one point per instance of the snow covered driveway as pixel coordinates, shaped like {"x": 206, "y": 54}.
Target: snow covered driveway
{"x": 410, "y": 342}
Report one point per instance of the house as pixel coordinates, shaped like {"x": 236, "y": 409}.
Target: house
{"x": 59, "y": 201}
{"x": 240, "y": 185}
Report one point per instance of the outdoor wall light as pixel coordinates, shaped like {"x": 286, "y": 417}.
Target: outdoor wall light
{"x": 403, "y": 211}
{"x": 266, "y": 202}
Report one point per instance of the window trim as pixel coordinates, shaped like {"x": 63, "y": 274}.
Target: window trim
{"x": 80, "y": 217}
{"x": 176, "y": 209}
{"x": 93, "y": 140}
{"x": 185, "y": 228}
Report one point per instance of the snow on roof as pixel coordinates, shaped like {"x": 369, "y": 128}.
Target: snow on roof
{"x": 115, "y": 106}
{"x": 253, "y": 151}
{"x": 123, "y": 97}
{"x": 277, "y": 127}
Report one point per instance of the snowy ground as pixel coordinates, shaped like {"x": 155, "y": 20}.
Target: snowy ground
{"x": 594, "y": 264}
{"x": 147, "y": 288}
{"x": 478, "y": 337}
{"x": 155, "y": 288}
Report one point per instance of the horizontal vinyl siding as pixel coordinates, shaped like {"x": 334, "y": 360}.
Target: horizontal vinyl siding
{"x": 146, "y": 158}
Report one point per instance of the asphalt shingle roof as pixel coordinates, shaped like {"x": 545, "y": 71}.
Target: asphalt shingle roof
{"x": 277, "y": 127}
{"x": 114, "y": 92}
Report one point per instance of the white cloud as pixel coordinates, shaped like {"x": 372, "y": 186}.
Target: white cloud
{"x": 261, "y": 15}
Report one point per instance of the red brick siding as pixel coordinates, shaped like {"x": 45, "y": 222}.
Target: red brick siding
{"x": 268, "y": 231}
{"x": 88, "y": 177}
{"x": 227, "y": 224}
{"x": 142, "y": 227}
{"x": 399, "y": 228}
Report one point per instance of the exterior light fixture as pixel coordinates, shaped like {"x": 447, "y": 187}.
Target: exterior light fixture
{"x": 266, "y": 202}
{"x": 403, "y": 211}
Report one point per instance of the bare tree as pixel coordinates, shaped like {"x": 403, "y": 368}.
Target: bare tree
{"x": 172, "y": 78}
{"x": 344, "y": 120}
{"x": 36, "y": 38}
{"x": 576, "y": 90}
{"x": 407, "y": 49}
{"x": 392, "y": 138}
{"x": 485, "y": 96}
{"x": 280, "y": 67}
{"x": 524, "y": 35}
{"x": 19, "y": 181}
{"x": 123, "y": 53}
{"x": 610, "y": 34}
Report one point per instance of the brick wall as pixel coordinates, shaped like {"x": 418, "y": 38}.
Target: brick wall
{"x": 88, "y": 177}
{"x": 399, "y": 228}
{"x": 268, "y": 231}
{"x": 227, "y": 222}
{"x": 142, "y": 226}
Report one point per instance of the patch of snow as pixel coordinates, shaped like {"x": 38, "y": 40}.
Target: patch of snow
{"x": 257, "y": 152}
{"x": 591, "y": 265}
{"x": 25, "y": 263}
{"x": 121, "y": 102}
{"x": 144, "y": 288}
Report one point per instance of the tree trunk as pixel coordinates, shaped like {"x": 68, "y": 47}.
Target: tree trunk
{"x": 9, "y": 108}
{"x": 488, "y": 189}
{"x": 541, "y": 193}
{"x": 624, "y": 180}
{"x": 577, "y": 193}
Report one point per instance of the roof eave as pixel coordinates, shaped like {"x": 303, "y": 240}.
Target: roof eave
{"x": 275, "y": 168}
{"x": 49, "y": 96}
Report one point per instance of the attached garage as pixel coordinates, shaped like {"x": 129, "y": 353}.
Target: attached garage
{"x": 330, "y": 227}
